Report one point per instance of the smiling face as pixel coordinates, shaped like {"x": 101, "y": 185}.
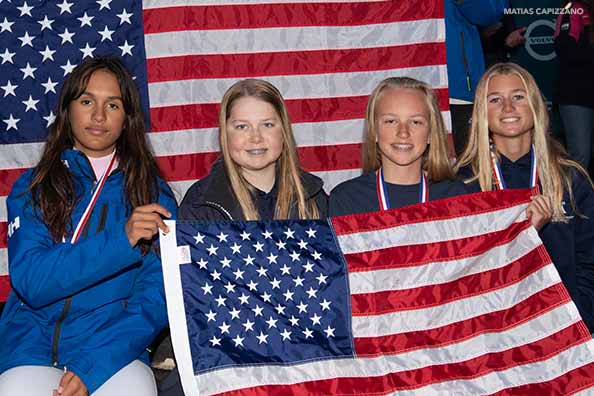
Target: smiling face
{"x": 97, "y": 116}
{"x": 402, "y": 119}
{"x": 508, "y": 111}
{"x": 255, "y": 136}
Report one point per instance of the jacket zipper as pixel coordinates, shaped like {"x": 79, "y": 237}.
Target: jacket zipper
{"x": 465, "y": 62}
{"x": 68, "y": 301}
{"x": 57, "y": 329}
{"x": 219, "y": 208}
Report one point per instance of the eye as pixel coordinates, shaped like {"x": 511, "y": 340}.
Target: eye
{"x": 85, "y": 102}
{"x": 518, "y": 97}
{"x": 269, "y": 124}
{"x": 494, "y": 100}
{"x": 389, "y": 121}
{"x": 113, "y": 106}
{"x": 418, "y": 122}
{"x": 240, "y": 127}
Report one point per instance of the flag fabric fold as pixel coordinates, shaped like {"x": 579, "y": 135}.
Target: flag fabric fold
{"x": 457, "y": 296}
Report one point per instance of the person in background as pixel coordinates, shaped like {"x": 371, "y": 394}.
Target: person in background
{"x": 509, "y": 147}
{"x": 258, "y": 176}
{"x": 87, "y": 295}
{"x": 405, "y": 155}
{"x": 574, "y": 91}
{"x": 465, "y": 56}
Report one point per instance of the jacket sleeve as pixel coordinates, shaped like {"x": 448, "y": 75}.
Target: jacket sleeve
{"x": 566, "y": 40}
{"x": 584, "y": 245}
{"x": 43, "y": 272}
{"x": 124, "y": 339}
{"x": 482, "y": 12}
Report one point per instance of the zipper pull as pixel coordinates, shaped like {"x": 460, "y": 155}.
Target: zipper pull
{"x": 468, "y": 83}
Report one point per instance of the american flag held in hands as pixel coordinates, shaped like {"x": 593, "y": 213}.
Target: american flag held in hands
{"x": 457, "y": 296}
{"x": 324, "y": 56}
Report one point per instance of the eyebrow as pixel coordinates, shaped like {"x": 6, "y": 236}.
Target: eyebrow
{"x": 109, "y": 97}
{"x": 498, "y": 93}
{"x": 413, "y": 115}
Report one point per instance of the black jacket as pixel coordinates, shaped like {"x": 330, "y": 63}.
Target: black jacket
{"x": 570, "y": 245}
{"x": 211, "y": 198}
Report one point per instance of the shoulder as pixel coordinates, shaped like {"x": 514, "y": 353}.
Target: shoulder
{"x": 312, "y": 184}
{"x": 354, "y": 196}
{"x": 166, "y": 195}
{"x": 360, "y": 184}
{"x": 194, "y": 197}
{"x": 446, "y": 189}
{"x": 21, "y": 185}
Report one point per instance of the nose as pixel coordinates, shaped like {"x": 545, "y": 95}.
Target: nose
{"x": 508, "y": 105}
{"x": 98, "y": 114}
{"x": 255, "y": 135}
{"x": 402, "y": 129}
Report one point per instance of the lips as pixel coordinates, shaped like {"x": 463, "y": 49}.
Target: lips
{"x": 259, "y": 151}
{"x": 402, "y": 147}
{"x": 96, "y": 130}
{"x": 508, "y": 120}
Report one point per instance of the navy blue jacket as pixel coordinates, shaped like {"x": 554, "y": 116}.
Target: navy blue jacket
{"x": 570, "y": 245}
{"x": 359, "y": 195}
{"x": 93, "y": 306}
{"x": 211, "y": 198}
{"x": 464, "y": 52}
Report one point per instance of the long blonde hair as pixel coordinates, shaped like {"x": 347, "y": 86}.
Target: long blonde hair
{"x": 554, "y": 168}
{"x": 436, "y": 162}
{"x": 288, "y": 171}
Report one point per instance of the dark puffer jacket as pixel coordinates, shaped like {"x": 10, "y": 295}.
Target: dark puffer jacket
{"x": 211, "y": 198}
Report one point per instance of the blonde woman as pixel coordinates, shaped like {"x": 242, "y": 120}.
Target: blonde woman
{"x": 405, "y": 156}
{"x": 259, "y": 176}
{"x": 509, "y": 147}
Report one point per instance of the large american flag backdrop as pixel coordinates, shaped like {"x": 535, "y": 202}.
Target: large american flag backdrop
{"x": 452, "y": 297}
{"x": 325, "y": 57}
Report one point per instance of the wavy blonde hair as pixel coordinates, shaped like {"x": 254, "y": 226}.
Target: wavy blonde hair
{"x": 554, "y": 168}
{"x": 288, "y": 170}
{"x": 436, "y": 161}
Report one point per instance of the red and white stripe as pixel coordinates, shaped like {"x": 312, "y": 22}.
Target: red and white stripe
{"x": 324, "y": 56}
{"x": 430, "y": 317}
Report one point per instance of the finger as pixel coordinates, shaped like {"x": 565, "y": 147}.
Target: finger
{"x": 73, "y": 388}
{"x": 65, "y": 380}
{"x": 151, "y": 216}
{"x": 154, "y": 207}
{"x": 543, "y": 204}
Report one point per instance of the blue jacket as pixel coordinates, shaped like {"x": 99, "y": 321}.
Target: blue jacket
{"x": 92, "y": 307}
{"x": 464, "y": 52}
{"x": 571, "y": 244}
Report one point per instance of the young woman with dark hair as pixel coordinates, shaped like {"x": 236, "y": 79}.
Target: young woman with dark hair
{"x": 87, "y": 294}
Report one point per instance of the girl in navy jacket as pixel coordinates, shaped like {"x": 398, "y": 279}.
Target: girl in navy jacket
{"x": 405, "y": 157}
{"x": 87, "y": 295}
{"x": 258, "y": 176}
{"x": 510, "y": 147}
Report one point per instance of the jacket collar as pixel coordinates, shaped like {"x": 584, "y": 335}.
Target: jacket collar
{"x": 79, "y": 164}
{"x": 219, "y": 190}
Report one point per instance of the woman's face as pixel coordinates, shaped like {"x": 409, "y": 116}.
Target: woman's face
{"x": 97, "y": 116}
{"x": 254, "y": 135}
{"x": 402, "y": 119}
{"x": 508, "y": 111}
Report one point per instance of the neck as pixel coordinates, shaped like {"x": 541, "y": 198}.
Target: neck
{"x": 513, "y": 149}
{"x": 262, "y": 179}
{"x": 403, "y": 175}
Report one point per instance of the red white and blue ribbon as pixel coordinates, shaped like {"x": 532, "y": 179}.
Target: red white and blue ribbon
{"x": 87, "y": 213}
{"x": 499, "y": 174}
{"x": 382, "y": 191}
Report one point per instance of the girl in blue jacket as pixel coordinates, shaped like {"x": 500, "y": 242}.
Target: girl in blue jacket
{"x": 510, "y": 147}
{"x": 405, "y": 156}
{"x": 87, "y": 295}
